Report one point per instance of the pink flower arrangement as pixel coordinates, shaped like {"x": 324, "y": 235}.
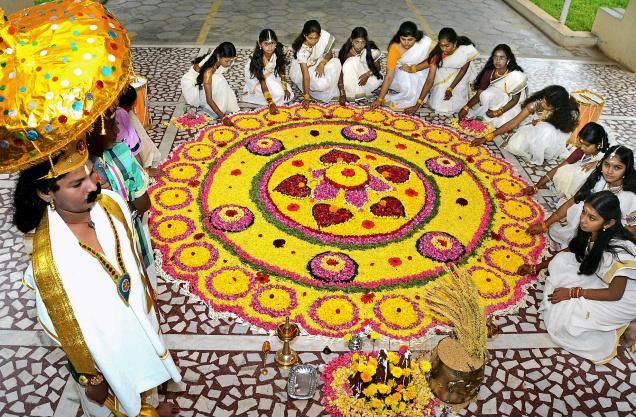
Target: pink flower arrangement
{"x": 231, "y": 218}
{"x": 472, "y": 127}
{"x": 444, "y": 166}
{"x": 191, "y": 121}
{"x": 333, "y": 267}
{"x": 440, "y": 246}
{"x": 360, "y": 133}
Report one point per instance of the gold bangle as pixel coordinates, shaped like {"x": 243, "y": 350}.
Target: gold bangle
{"x": 267, "y": 95}
{"x": 450, "y": 89}
{"x": 306, "y": 96}
{"x": 420, "y": 101}
{"x": 380, "y": 100}
{"x": 413, "y": 68}
{"x": 466, "y": 108}
{"x": 324, "y": 61}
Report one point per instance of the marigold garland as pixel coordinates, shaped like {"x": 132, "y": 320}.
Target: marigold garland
{"x": 332, "y": 216}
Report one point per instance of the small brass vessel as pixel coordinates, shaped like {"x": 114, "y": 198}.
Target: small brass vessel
{"x": 286, "y": 332}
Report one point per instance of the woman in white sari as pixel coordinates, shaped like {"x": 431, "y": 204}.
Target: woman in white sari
{"x": 314, "y": 69}
{"x": 449, "y": 74}
{"x": 589, "y": 299}
{"x": 360, "y": 74}
{"x": 615, "y": 173}
{"x": 570, "y": 175}
{"x": 501, "y": 88}
{"x": 406, "y": 68}
{"x": 545, "y": 138}
{"x": 265, "y": 81}
{"x": 205, "y": 87}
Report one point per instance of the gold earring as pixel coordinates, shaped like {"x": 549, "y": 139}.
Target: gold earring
{"x": 103, "y": 131}
{"x": 52, "y": 205}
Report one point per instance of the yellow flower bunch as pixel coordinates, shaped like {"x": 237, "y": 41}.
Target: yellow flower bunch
{"x": 370, "y": 391}
{"x": 425, "y": 366}
{"x": 396, "y": 371}
{"x": 393, "y": 357}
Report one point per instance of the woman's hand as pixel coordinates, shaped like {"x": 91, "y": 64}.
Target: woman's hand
{"x": 342, "y": 100}
{"x": 272, "y": 108}
{"x": 535, "y": 229}
{"x": 560, "y": 294}
{"x": 376, "y": 103}
{"x": 362, "y": 80}
{"x": 412, "y": 109}
{"x": 306, "y": 104}
{"x": 406, "y": 68}
{"x": 97, "y": 393}
{"x": 491, "y": 114}
{"x": 478, "y": 142}
{"x": 462, "y": 114}
{"x": 529, "y": 190}
{"x": 589, "y": 165}
{"x": 320, "y": 70}
{"x": 524, "y": 270}
{"x": 448, "y": 94}
{"x": 166, "y": 409}
{"x": 155, "y": 172}
{"x": 227, "y": 121}
{"x": 287, "y": 95}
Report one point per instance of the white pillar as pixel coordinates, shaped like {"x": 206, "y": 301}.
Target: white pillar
{"x": 564, "y": 11}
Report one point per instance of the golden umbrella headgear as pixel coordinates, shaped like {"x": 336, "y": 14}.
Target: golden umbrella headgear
{"x": 62, "y": 64}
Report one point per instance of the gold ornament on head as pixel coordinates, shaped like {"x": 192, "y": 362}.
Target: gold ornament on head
{"x": 73, "y": 156}
{"x": 613, "y": 154}
{"x": 62, "y": 64}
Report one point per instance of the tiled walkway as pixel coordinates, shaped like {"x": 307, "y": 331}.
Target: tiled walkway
{"x": 219, "y": 357}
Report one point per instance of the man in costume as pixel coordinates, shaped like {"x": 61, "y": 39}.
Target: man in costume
{"x": 93, "y": 296}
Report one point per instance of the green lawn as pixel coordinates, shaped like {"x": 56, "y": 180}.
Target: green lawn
{"x": 582, "y": 12}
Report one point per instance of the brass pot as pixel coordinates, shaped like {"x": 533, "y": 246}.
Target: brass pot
{"x": 451, "y": 385}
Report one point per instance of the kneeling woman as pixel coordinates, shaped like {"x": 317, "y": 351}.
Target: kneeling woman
{"x": 360, "y": 59}
{"x": 314, "y": 69}
{"x": 546, "y": 136}
{"x": 406, "y": 68}
{"x": 449, "y": 74}
{"x": 501, "y": 88}
{"x": 590, "y": 295}
{"x": 265, "y": 81}
{"x": 205, "y": 87}
{"x": 615, "y": 172}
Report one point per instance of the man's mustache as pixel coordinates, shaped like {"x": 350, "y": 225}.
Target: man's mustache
{"x": 92, "y": 196}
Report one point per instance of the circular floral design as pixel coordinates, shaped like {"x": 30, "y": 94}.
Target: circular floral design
{"x": 398, "y": 312}
{"x": 360, "y": 133}
{"x": 173, "y": 228}
{"x": 174, "y": 198}
{"x": 231, "y": 218}
{"x": 445, "y": 166}
{"x": 489, "y": 283}
{"x": 198, "y": 152}
{"x": 264, "y": 146}
{"x": 333, "y": 268}
{"x": 218, "y": 134}
{"x": 229, "y": 283}
{"x": 334, "y": 312}
{"x": 195, "y": 256}
{"x": 440, "y": 246}
{"x": 336, "y": 233}
{"x": 274, "y": 300}
{"x": 183, "y": 172}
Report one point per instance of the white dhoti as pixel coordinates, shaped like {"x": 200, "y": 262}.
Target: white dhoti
{"x": 445, "y": 75}
{"x": 253, "y": 93}
{"x": 537, "y": 143}
{"x": 407, "y": 85}
{"x": 323, "y": 88}
{"x": 590, "y": 328}
{"x": 352, "y": 69}
{"x": 497, "y": 95}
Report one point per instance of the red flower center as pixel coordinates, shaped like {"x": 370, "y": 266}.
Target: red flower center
{"x": 332, "y": 262}
{"x": 231, "y": 213}
{"x": 348, "y": 172}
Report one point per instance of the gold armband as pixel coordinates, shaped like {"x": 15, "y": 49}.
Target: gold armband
{"x": 413, "y": 68}
{"x": 420, "y": 101}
